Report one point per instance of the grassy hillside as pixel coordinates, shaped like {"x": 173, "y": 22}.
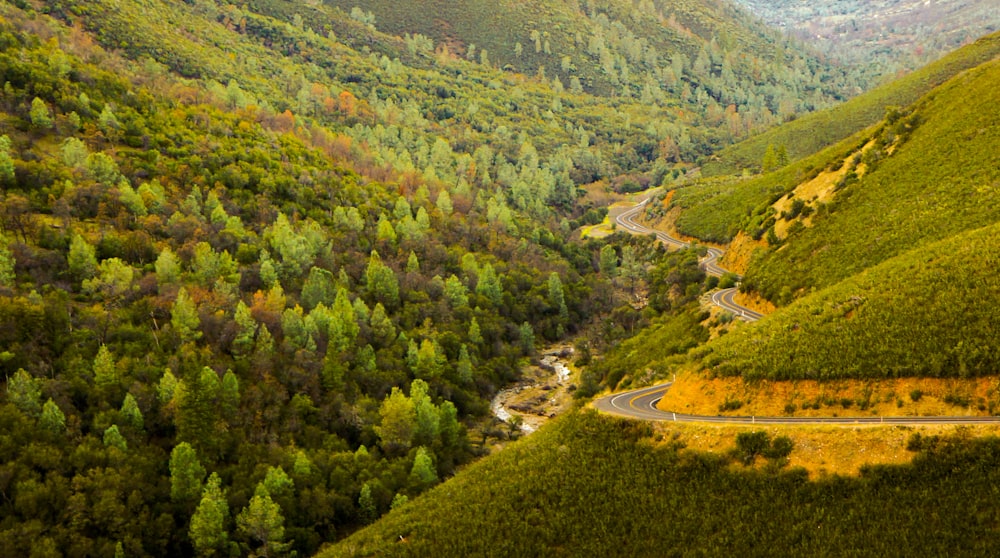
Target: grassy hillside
{"x": 592, "y": 486}
{"x": 939, "y": 179}
{"x": 924, "y": 313}
{"x": 811, "y": 133}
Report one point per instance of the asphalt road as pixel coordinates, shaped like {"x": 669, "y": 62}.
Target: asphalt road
{"x": 641, "y": 404}
{"x": 722, "y": 298}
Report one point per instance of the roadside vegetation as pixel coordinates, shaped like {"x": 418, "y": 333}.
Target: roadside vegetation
{"x": 599, "y": 486}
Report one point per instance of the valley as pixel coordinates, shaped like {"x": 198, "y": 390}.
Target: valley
{"x": 560, "y": 278}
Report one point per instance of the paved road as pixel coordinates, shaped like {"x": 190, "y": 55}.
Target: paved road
{"x": 722, "y": 298}
{"x": 641, "y": 404}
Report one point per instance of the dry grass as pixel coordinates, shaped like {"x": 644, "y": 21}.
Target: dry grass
{"x": 695, "y": 393}
{"x": 822, "y": 450}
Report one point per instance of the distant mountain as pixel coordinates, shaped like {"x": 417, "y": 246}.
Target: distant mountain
{"x": 885, "y": 35}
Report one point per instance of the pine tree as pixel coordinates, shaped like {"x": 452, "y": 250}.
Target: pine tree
{"x": 423, "y": 474}
{"x": 489, "y": 285}
{"x": 398, "y": 422}
{"x": 184, "y": 317}
{"x": 113, "y": 438}
{"x": 208, "y": 524}
{"x": 52, "y": 420}
{"x": 130, "y": 413}
{"x": 25, "y": 393}
{"x": 186, "y": 473}
{"x": 81, "y": 259}
{"x": 6, "y": 161}
{"x": 41, "y": 119}
{"x": 366, "y": 505}
{"x": 246, "y": 328}
{"x": 263, "y": 525}
{"x": 7, "y": 262}
{"x": 105, "y": 369}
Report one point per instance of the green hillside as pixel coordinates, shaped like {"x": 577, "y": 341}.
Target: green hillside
{"x": 595, "y": 486}
{"x": 811, "y": 133}
{"x": 925, "y": 313}
{"x": 939, "y": 178}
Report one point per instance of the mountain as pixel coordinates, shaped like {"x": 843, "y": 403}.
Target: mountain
{"x": 595, "y": 486}
{"x": 884, "y": 36}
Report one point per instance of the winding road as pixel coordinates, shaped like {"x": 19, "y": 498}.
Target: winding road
{"x": 642, "y": 403}
{"x": 723, "y": 298}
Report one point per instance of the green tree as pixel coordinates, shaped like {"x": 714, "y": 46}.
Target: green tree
{"x": 6, "y": 161}
{"x": 489, "y": 285}
{"x": 112, "y": 281}
{"x": 130, "y": 412}
{"x": 25, "y": 393}
{"x": 81, "y": 259}
{"x": 382, "y": 327}
{"x": 105, "y": 369}
{"x": 556, "y": 296}
{"x": 463, "y": 367}
{"x": 113, "y": 438}
{"x": 166, "y": 388}
{"x": 344, "y": 327}
{"x": 197, "y": 413}
{"x": 246, "y": 329}
{"x": 168, "y": 267}
{"x": 423, "y": 474}
{"x": 366, "y": 505}
{"x": 208, "y": 524}
{"x": 455, "y": 292}
{"x": 381, "y": 281}
{"x": 41, "y": 119}
{"x": 7, "y": 262}
{"x": 186, "y": 474}
{"x": 262, "y": 525}
{"x": 770, "y": 160}
{"x": 52, "y": 420}
{"x": 184, "y": 317}
{"x": 609, "y": 261}
{"x": 444, "y": 204}
{"x": 319, "y": 288}
{"x": 397, "y": 423}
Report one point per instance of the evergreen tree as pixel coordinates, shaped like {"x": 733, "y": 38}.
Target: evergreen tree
{"x": 489, "y": 285}
{"x": 208, "y": 524}
{"x": 186, "y": 474}
{"x": 609, "y": 261}
{"x": 168, "y": 268}
{"x": 319, "y": 288}
{"x": 7, "y": 262}
{"x": 25, "y": 393}
{"x": 398, "y": 422}
{"x": 6, "y": 161}
{"x": 81, "y": 259}
{"x": 366, "y": 505}
{"x": 246, "y": 328}
{"x": 105, "y": 369}
{"x": 262, "y": 525}
{"x": 423, "y": 473}
{"x": 52, "y": 420}
{"x": 113, "y": 438}
{"x": 41, "y": 119}
{"x": 184, "y": 317}
{"x": 381, "y": 282}
{"x": 130, "y": 413}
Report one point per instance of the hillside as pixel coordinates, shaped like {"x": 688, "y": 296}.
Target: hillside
{"x": 811, "y": 133}
{"x": 595, "y": 486}
{"x": 887, "y": 36}
{"x": 931, "y": 173}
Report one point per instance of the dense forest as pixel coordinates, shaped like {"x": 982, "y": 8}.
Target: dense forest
{"x": 264, "y": 264}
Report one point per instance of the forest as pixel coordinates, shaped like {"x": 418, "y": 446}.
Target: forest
{"x": 264, "y": 264}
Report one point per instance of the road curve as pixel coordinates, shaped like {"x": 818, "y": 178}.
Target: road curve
{"x": 722, "y": 298}
{"x": 641, "y": 404}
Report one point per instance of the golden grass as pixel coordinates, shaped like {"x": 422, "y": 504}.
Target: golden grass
{"x": 821, "y": 450}
{"x": 695, "y": 393}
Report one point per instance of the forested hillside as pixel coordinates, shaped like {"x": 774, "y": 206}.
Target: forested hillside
{"x": 882, "y": 36}
{"x": 597, "y": 486}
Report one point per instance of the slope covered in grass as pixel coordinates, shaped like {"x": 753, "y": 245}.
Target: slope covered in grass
{"x": 940, "y": 178}
{"x": 588, "y": 485}
{"x": 813, "y": 132}
{"x": 925, "y": 313}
